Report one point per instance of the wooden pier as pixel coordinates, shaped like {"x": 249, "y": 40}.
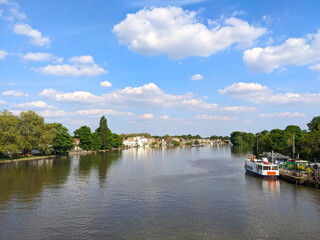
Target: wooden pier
{"x": 298, "y": 178}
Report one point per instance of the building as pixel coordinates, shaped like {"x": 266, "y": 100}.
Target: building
{"x": 277, "y": 157}
{"x": 135, "y": 141}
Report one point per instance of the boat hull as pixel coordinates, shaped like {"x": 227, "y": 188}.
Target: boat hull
{"x": 270, "y": 177}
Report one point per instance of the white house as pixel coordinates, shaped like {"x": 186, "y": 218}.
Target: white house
{"x": 135, "y": 142}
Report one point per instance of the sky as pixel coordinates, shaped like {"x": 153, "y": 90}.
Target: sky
{"x": 207, "y": 67}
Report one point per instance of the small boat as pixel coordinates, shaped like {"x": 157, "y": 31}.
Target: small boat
{"x": 261, "y": 168}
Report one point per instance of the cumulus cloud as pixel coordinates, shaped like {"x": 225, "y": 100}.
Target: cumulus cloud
{"x": 53, "y": 113}
{"x": 197, "y": 103}
{"x": 294, "y": 51}
{"x": 146, "y": 116}
{"x": 99, "y": 112}
{"x": 148, "y": 95}
{"x": 15, "y": 93}
{"x": 239, "y": 109}
{"x": 106, "y": 84}
{"x": 2, "y": 102}
{"x": 3, "y": 54}
{"x": 38, "y": 56}
{"x": 34, "y": 104}
{"x": 179, "y": 34}
{"x": 315, "y": 67}
{"x": 215, "y": 117}
{"x": 197, "y": 77}
{"x": 260, "y": 94}
{"x": 78, "y": 96}
{"x": 82, "y": 66}
{"x": 35, "y": 36}
{"x": 281, "y": 114}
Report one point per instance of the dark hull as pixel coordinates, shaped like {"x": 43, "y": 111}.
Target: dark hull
{"x": 270, "y": 177}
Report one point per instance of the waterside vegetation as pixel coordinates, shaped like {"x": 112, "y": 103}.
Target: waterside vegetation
{"x": 292, "y": 141}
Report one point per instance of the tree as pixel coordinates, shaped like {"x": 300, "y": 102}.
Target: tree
{"x": 85, "y": 136}
{"x": 96, "y": 141}
{"x": 10, "y": 140}
{"x": 314, "y": 124}
{"x": 62, "y": 141}
{"x": 103, "y": 132}
{"x": 32, "y": 128}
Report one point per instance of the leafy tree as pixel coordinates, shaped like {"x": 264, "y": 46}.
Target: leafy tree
{"x": 32, "y": 129}
{"x": 314, "y": 124}
{"x": 62, "y": 141}
{"x": 10, "y": 140}
{"x": 85, "y": 136}
{"x": 96, "y": 141}
{"x": 103, "y": 132}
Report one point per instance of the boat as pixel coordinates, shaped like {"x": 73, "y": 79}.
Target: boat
{"x": 261, "y": 168}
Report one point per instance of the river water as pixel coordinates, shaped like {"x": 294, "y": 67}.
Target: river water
{"x": 177, "y": 193}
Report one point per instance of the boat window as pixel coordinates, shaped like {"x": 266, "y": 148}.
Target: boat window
{"x": 274, "y": 167}
{"x": 266, "y": 168}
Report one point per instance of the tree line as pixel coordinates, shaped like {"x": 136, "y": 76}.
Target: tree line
{"x": 27, "y": 133}
{"x": 292, "y": 141}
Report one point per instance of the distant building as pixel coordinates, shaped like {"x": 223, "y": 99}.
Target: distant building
{"x": 277, "y": 157}
{"x": 135, "y": 141}
{"x": 76, "y": 143}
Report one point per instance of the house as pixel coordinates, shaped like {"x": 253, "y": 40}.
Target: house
{"x": 135, "y": 141}
{"x": 277, "y": 157}
{"x": 76, "y": 143}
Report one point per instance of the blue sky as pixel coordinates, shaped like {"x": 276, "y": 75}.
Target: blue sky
{"x": 164, "y": 67}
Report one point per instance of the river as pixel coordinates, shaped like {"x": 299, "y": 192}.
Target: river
{"x": 170, "y": 193}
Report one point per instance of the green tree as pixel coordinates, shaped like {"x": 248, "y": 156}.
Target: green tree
{"x": 96, "y": 141}
{"x": 103, "y": 132}
{"x": 314, "y": 124}
{"x": 85, "y": 136}
{"x": 10, "y": 140}
{"x": 32, "y": 129}
{"x": 62, "y": 141}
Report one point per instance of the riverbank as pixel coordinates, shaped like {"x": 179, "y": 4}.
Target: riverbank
{"x": 55, "y": 156}
{"x": 27, "y": 159}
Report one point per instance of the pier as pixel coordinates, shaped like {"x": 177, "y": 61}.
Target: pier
{"x": 311, "y": 179}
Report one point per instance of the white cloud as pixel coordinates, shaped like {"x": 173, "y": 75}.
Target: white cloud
{"x": 53, "y": 113}
{"x": 37, "y": 56}
{"x": 82, "y": 59}
{"x": 35, "y": 35}
{"x": 281, "y": 114}
{"x": 15, "y": 93}
{"x": 315, "y": 67}
{"x": 3, "y": 54}
{"x": 197, "y": 77}
{"x": 11, "y": 11}
{"x": 294, "y": 51}
{"x": 106, "y": 84}
{"x": 35, "y": 104}
{"x": 197, "y": 103}
{"x": 260, "y": 94}
{"x": 215, "y": 117}
{"x": 82, "y": 66}
{"x": 178, "y": 33}
{"x": 99, "y": 112}
{"x": 146, "y": 116}
{"x": 2, "y": 102}
{"x": 79, "y": 96}
{"x": 165, "y": 117}
{"x": 244, "y": 90}
{"x": 239, "y": 109}
{"x": 148, "y": 95}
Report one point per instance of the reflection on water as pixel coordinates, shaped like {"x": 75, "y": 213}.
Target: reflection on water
{"x": 167, "y": 193}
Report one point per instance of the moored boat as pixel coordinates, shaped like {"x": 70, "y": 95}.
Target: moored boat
{"x": 261, "y": 168}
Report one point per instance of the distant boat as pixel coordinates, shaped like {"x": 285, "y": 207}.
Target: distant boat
{"x": 197, "y": 145}
{"x": 261, "y": 168}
